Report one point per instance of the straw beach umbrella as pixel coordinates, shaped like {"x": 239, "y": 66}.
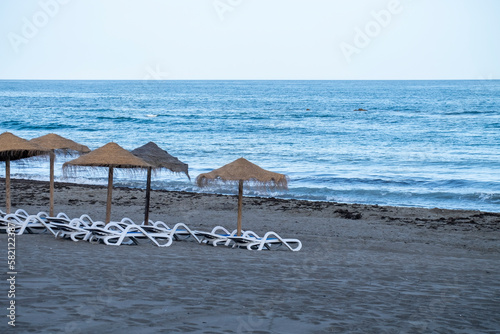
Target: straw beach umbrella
{"x": 241, "y": 171}
{"x": 61, "y": 145}
{"x": 157, "y": 158}
{"x": 13, "y": 147}
{"x": 109, "y": 156}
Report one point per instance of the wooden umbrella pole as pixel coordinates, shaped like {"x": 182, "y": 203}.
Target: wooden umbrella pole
{"x": 148, "y": 195}
{"x": 7, "y": 186}
{"x": 52, "y": 161}
{"x": 110, "y": 193}
{"x": 240, "y": 205}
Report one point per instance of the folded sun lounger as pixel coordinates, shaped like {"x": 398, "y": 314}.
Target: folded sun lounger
{"x": 218, "y": 236}
{"x": 76, "y": 229}
{"x": 180, "y": 231}
{"x": 126, "y": 232}
{"x": 21, "y": 223}
{"x": 271, "y": 240}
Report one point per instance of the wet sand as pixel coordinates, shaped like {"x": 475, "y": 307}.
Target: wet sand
{"x": 362, "y": 269}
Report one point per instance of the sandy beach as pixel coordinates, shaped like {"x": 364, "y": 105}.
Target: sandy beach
{"x": 362, "y": 269}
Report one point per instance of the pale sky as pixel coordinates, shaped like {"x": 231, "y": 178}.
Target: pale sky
{"x": 249, "y": 39}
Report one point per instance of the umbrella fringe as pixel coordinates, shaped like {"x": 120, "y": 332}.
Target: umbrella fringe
{"x": 74, "y": 170}
{"x": 281, "y": 183}
{"x": 159, "y": 171}
{"x": 42, "y": 156}
{"x": 66, "y": 152}
{"x": 33, "y": 155}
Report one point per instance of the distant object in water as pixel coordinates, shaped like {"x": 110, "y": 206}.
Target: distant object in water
{"x": 360, "y": 109}
{"x": 308, "y": 109}
{"x": 151, "y": 115}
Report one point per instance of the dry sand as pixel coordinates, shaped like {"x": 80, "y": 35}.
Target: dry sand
{"x": 362, "y": 269}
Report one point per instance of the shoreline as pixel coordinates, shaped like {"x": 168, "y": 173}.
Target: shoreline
{"x": 2, "y": 180}
{"x": 98, "y": 186}
{"x": 430, "y": 217}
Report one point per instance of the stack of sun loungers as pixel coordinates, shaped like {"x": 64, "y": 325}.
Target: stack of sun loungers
{"x": 127, "y": 232}
{"x": 248, "y": 239}
{"x": 21, "y": 222}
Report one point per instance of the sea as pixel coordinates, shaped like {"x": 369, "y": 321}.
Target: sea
{"x": 400, "y": 143}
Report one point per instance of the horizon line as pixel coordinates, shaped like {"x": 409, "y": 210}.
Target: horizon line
{"x": 164, "y": 80}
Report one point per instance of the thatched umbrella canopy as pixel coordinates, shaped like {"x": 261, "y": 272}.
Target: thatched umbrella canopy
{"x": 110, "y": 156}
{"x": 13, "y": 147}
{"x": 57, "y": 144}
{"x": 242, "y": 170}
{"x": 158, "y": 158}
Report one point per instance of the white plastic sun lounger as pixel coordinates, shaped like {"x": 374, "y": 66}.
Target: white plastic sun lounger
{"x": 63, "y": 218}
{"x": 219, "y": 235}
{"x": 76, "y": 229}
{"x": 60, "y": 218}
{"x": 31, "y": 223}
{"x": 115, "y": 234}
{"x": 40, "y": 222}
{"x": 271, "y": 240}
{"x": 180, "y": 231}
{"x": 63, "y": 225}
{"x": 20, "y": 214}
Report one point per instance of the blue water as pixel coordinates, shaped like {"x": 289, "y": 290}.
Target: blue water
{"x": 420, "y": 143}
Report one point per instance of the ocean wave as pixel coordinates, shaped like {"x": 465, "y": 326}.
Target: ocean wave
{"x": 99, "y": 109}
{"x": 124, "y": 119}
{"x": 470, "y": 112}
{"x": 398, "y": 182}
{"x": 12, "y": 123}
{"x": 492, "y": 126}
{"x": 19, "y": 125}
